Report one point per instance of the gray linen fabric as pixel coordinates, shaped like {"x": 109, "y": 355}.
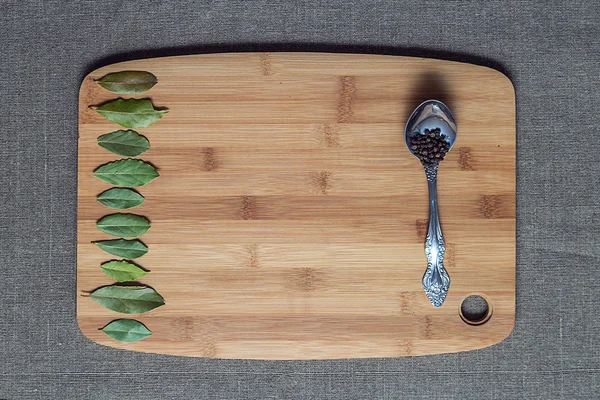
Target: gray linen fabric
{"x": 550, "y": 51}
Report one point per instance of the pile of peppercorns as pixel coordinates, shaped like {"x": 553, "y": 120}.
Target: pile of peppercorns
{"x": 430, "y": 146}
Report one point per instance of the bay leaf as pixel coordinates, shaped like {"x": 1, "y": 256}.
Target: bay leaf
{"x": 120, "y": 198}
{"x": 123, "y": 248}
{"x": 124, "y": 143}
{"x": 127, "y": 330}
{"x": 128, "y": 299}
{"x": 128, "y": 172}
{"x": 130, "y": 113}
{"x": 125, "y": 225}
{"x": 122, "y": 271}
{"x": 128, "y": 82}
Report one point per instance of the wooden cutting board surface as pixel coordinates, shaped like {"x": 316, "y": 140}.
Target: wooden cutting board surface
{"x": 289, "y": 218}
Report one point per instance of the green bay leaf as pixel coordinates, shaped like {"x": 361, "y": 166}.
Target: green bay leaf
{"x": 127, "y": 330}
{"x": 128, "y": 299}
{"x": 123, "y": 248}
{"x": 128, "y": 172}
{"x": 124, "y": 143}
{"x": 120, "y": 198}
{"x": 128, "y": 82}
{"x": 124, "y": 225}
{"x": 130, "y": 113}
{"x": 123, "y": 270}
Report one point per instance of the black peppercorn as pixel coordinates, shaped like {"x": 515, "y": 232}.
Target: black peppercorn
{"x": 430, "y": 146}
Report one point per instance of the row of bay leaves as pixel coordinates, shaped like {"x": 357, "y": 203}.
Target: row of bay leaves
{"x": 126, "y": 296}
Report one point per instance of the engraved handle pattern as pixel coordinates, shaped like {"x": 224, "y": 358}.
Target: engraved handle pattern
{"x": 436, "y": 280}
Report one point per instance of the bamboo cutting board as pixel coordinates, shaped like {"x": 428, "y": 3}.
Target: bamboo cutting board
{"x": 289, "y": 218}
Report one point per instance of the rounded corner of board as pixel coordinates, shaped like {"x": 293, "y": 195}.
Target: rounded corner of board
{"x": 83, "y": 86}
{"x": 85, "y": 333}
{"x": 504, "y": 79}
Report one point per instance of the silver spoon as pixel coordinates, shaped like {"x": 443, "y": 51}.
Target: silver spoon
{"x": 433, "y": 114}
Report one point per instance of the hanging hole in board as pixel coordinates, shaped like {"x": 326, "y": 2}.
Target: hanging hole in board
{"x": 475, "y": 309}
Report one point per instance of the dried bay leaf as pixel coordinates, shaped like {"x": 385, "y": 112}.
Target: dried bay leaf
{"x": 130, "y": 113}
{"x": 123, "y": 248}
{"x": 128, "y": 172}
{"x": 124, "y": 143}
{"x": 124, "y": 225}
{"x": 120, "y": 198}
{"x": 128, "y": 82}
{"x": 123, "y": 270}
{"x": 126, "y": 330}
{"x": 128, "y": 299}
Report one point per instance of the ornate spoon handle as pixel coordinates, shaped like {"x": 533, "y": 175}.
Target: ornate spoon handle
{"x": 436, "y": 280}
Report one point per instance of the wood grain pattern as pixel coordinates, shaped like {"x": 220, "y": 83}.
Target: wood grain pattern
{"x": 289, "y": 219}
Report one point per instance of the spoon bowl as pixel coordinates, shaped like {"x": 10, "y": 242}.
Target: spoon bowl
{"x": 431, "y": 114}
